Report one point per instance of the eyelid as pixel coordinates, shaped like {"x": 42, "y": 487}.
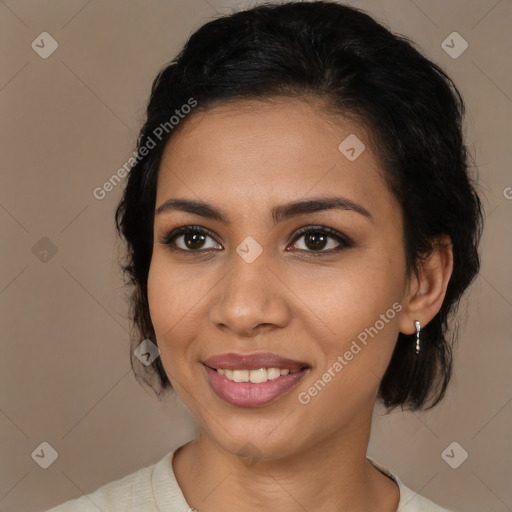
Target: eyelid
{"x": 330, "y": 232}
{"x": 168, "y": 237}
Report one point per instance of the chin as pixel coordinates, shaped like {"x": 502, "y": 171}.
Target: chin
{"x": 254, "y": 442}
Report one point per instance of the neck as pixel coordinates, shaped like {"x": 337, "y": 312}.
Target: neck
{"x": 330, "y": 475}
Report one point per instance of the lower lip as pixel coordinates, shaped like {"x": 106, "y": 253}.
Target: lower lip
{"x": 247, "y": 394}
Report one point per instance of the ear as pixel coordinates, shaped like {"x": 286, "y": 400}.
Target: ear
{"x": 427, "y": 289}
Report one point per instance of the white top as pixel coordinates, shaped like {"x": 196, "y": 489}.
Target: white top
{"x": 155, "y": 489}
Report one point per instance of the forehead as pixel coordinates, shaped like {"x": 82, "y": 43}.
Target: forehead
{"x": 251, "y": 151}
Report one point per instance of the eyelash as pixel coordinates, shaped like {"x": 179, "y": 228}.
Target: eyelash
{"x": 345, "y": 241}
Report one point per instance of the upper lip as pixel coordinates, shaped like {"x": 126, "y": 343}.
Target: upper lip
{"x": 236, "y": 361}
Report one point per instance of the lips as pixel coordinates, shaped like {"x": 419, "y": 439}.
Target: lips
{"x": 253, "y": 361}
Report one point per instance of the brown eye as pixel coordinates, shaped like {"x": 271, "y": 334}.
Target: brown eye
{"x": 188, "y": 239}
{"x": 316, "y": 239}
{"x": 193, "y": 240}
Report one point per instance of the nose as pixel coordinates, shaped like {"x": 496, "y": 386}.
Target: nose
{"x": 251, "y": 298}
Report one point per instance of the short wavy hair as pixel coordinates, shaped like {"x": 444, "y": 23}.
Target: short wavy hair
{"x": 362, "y": 71}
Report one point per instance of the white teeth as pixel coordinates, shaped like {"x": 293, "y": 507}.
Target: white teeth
{"x": 255, "y": 376}
{"x": 273, "y": 373}
{"x": 241, "y": 375}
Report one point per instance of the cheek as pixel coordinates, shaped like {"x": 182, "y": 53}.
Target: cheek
{"x": 363, "y": 326}
{"x": 176, "y": 298}
{"x": 171, "y": 294}
{"x": 355, "y": 297}
{"x": 361, "y": 310}
{"x": 167, "y": 306}
{"x": 159, "y": 297}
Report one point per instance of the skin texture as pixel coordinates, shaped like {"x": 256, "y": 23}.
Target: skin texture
{"x": 245, "y": 158}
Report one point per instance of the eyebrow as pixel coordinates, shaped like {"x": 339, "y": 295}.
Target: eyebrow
{"x": 277, "y": 213}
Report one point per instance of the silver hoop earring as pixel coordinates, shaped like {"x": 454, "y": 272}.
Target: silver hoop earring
{"x": 418, "y": 329}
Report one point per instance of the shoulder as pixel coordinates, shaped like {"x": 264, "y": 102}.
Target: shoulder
{"x": 414, "y": 502}
{"x": 410, "y": 501}
{"x": 121, "y": 495}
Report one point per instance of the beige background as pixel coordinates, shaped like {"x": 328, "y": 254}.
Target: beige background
{"x": 70, "y": 121}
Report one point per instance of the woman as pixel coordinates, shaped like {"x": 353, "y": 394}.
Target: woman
{"x": 300, "y": 228}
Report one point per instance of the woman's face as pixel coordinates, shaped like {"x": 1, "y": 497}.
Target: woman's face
{"x": 250, "y": 285}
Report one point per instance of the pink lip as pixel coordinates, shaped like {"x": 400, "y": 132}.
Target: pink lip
{"x": 232, "y": 360}
{"x": 247, "y": 394}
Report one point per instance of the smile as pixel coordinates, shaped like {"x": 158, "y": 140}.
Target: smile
{"x": 236, "y": 387}
{"x": 255, "y": 376}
